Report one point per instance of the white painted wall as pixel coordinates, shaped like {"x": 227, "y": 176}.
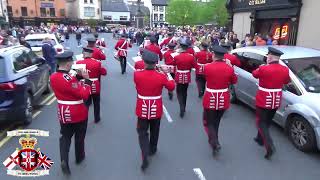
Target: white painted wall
{"x": 241, "y": 24}
{"x": 3, "y": 10}
{"x": 308, "y": 32}
{"x": 115, "y": 15}
{"x": 72, "y": 8}
{"x": 95, "y": 5}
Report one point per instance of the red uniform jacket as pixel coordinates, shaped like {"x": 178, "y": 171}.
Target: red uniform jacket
{"x": 139, "y": 65}
{"x": 271, "y": 77}
{"x": 219, "y": 76}
{"x": 166, "y": 42}
{"x": 70, "y": 94}
{"x": 168, "y": 60}
{"x": 95, "y": 71}
{"x": 149, "y": 85}
{"x": 100, "y": 43}
{"x": 122, "y": 47}
{"x": 191, "y": 51}
{"x": 234, "y": 60}
{"x": 156, "y": 49}
{"x": 98, "y": 54}
{"x": 184, "y": 62}
{"x": 202, "y": 58}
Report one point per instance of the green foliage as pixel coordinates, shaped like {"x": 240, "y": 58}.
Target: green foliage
{"x": 92, "y": 22}
{"x": 188, "y": 12}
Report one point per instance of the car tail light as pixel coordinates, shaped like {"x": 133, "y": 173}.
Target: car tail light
{"x": 8, "y": 86}
{"x": 59, "y": 50}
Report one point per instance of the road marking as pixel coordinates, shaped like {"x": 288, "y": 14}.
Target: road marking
{"x": 36, "y": 114}
{"x": 198, "y": 172}
{"x": 50, "y": 102}
{"x": 6, "y": 139}
{"x": 47, "y": 99}
{"x": 166, "y": 113}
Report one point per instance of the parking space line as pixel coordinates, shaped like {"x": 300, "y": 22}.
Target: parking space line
{"x": 47, "y": 99}
{"x": 199, "y": 173}
{"x": 6, "y": 139}
{"x": 50, "y": 102}
{"x": 129, "y": 64}
{"x": 36, "y": 114}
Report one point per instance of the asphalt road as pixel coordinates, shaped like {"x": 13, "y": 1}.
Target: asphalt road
{"x": 112, "y": 150}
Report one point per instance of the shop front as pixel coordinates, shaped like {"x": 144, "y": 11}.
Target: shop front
{"x": 277, "y": 18}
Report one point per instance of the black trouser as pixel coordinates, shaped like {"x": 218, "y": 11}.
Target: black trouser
{"x": 148, "y": 145}
{"x": 182, "y": 93}
{"x": 96, "y": 105}
{"x": 201, "y": 84}
{"x": 264, "y": 119}
{"x": 171, "y": 92}
{"x": 67, "y": 131}
{"x": 123, "y": 63}
{"x": 213, "y": 117}
{"x": 79, "y": 42}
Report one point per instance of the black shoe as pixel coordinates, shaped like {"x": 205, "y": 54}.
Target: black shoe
{"x": 200, "y": 95}
{"x": 258, "y": 141}
{"x": 218, "y": 147}
{"x": 65, "y": 168}
{"x": 170, "y": 96}
{"x": 145, "y": 164}
{"x": 78, "y": 161}
{"x": 182, "y": 114}
{"x": 215, "y": 152}
{"x": 151, "y": 153}
{"x": 268, "y": 154}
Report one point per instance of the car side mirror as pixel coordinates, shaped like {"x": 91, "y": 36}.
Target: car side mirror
{"x": 41, "y": 60}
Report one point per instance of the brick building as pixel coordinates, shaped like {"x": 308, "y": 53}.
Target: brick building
{"x": 35, "y": 12}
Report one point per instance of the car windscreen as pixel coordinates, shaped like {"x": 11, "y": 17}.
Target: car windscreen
{"x": 308, "y": 72}
{"x": 38, "y": 42}
{"x": 2, "y": 67}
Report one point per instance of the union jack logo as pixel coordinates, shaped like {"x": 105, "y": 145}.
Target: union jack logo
{"x": 44, "y": 162}
{"x": 28, "y": 159}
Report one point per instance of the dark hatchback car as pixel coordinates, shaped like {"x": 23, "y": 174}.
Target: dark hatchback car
{"x": 24, "y": 77}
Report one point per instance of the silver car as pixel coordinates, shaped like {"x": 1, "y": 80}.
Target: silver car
{"x": 299, "y": 113}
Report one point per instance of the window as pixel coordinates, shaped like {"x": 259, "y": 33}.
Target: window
{"x": 2, "y": 67}
{"x": 21, "y": 60}
{"x": 161, "y": 8}
{"x": 91, "y": 1}
{"x": 155, "y": 17}
{"x": 291, "y": 87}
{"x": 123, "y": 18}
{"x": 107, "y": 18}
{"x": 161, "y": 17}
{"x": 251, "y": 61}
{"x": 62, "y": 12}
{"x": 9, "y": 8}
{"x": 43, "y": 12}
{"x": 89, "y": 12}
{"x": 85, "y": 1}
{"x": 24, "y": 11}
{"x": 155, "y": 8}
{"x": 52, "y": 12}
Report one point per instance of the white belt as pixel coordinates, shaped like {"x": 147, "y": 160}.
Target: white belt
{"x": 70, "y": 102}
{"x": 122, "y": 49}
{"x": 269, "y": 90}
{"x": 201, "y": 64}
{"x": 183, "y": 71}
{"x": 94, "y": 79}
{"x": 216, "y": 90}
{"x": 149, "y": 97}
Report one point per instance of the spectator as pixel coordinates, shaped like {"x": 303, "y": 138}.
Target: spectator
{"x": 23, "y": 42}
{"x": 259, "y": 41}
{"x": 48, "y": 53}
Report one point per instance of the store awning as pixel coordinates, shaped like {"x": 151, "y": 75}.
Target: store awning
{"x": 277, "y": 13}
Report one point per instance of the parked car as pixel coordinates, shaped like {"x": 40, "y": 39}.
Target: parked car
{"x": 24, "y": 77}
{"x": 36, "y": 42}
{"x": 299, "y": 113}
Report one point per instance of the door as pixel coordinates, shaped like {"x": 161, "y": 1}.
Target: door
{"x": 247, "y": 84}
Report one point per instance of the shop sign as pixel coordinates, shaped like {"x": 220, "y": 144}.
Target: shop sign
{"x": 47, "y": 5}
{"x": 281, "y": 32}
{"x": 256, "y": 2}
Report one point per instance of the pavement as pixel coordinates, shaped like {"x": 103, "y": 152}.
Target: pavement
{"x": 112, "y": 150}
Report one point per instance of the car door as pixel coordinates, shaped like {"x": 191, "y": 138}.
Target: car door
{"x": 247, "y": 84}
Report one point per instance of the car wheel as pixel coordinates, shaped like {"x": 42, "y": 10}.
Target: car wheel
{"x": 233, "y": 97}
{"x": 28, "y": 111}
{"x": 301, "y": 134}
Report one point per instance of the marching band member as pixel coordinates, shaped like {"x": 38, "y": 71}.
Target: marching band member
{"x": 99, "y": 43}
{"x": 216, "y": 100}
{"x": 230, "y": 58}
{"x": 72, "y": 112}
{"x": 122, "y": 48}
{"x": 167, "y": 41}
{"x": 268, "y": 97}
{"x": 168, "y": 59}
{"x": 153, "y": 47}
{"x": 97, "y": 53}
{"x": 202, "y": 58}
{"x": 95, "y": 71}
{"x": 184, "y": 62}
{"x": 149, "y": 84}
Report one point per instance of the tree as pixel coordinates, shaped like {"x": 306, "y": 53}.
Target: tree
{"x": 219, "y": 11}
{"x": 92, "y": 22}
{"x": 181, "y": 12}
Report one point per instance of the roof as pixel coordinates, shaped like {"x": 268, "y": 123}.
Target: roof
{"x": 40, "y": 36}
{"x": 159, "y": 2}
{"x": 4, "y": 49}
{"x": 290, "y": 52}
{"x": 114, "y": 6}
{"x": 134, "y": 9}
